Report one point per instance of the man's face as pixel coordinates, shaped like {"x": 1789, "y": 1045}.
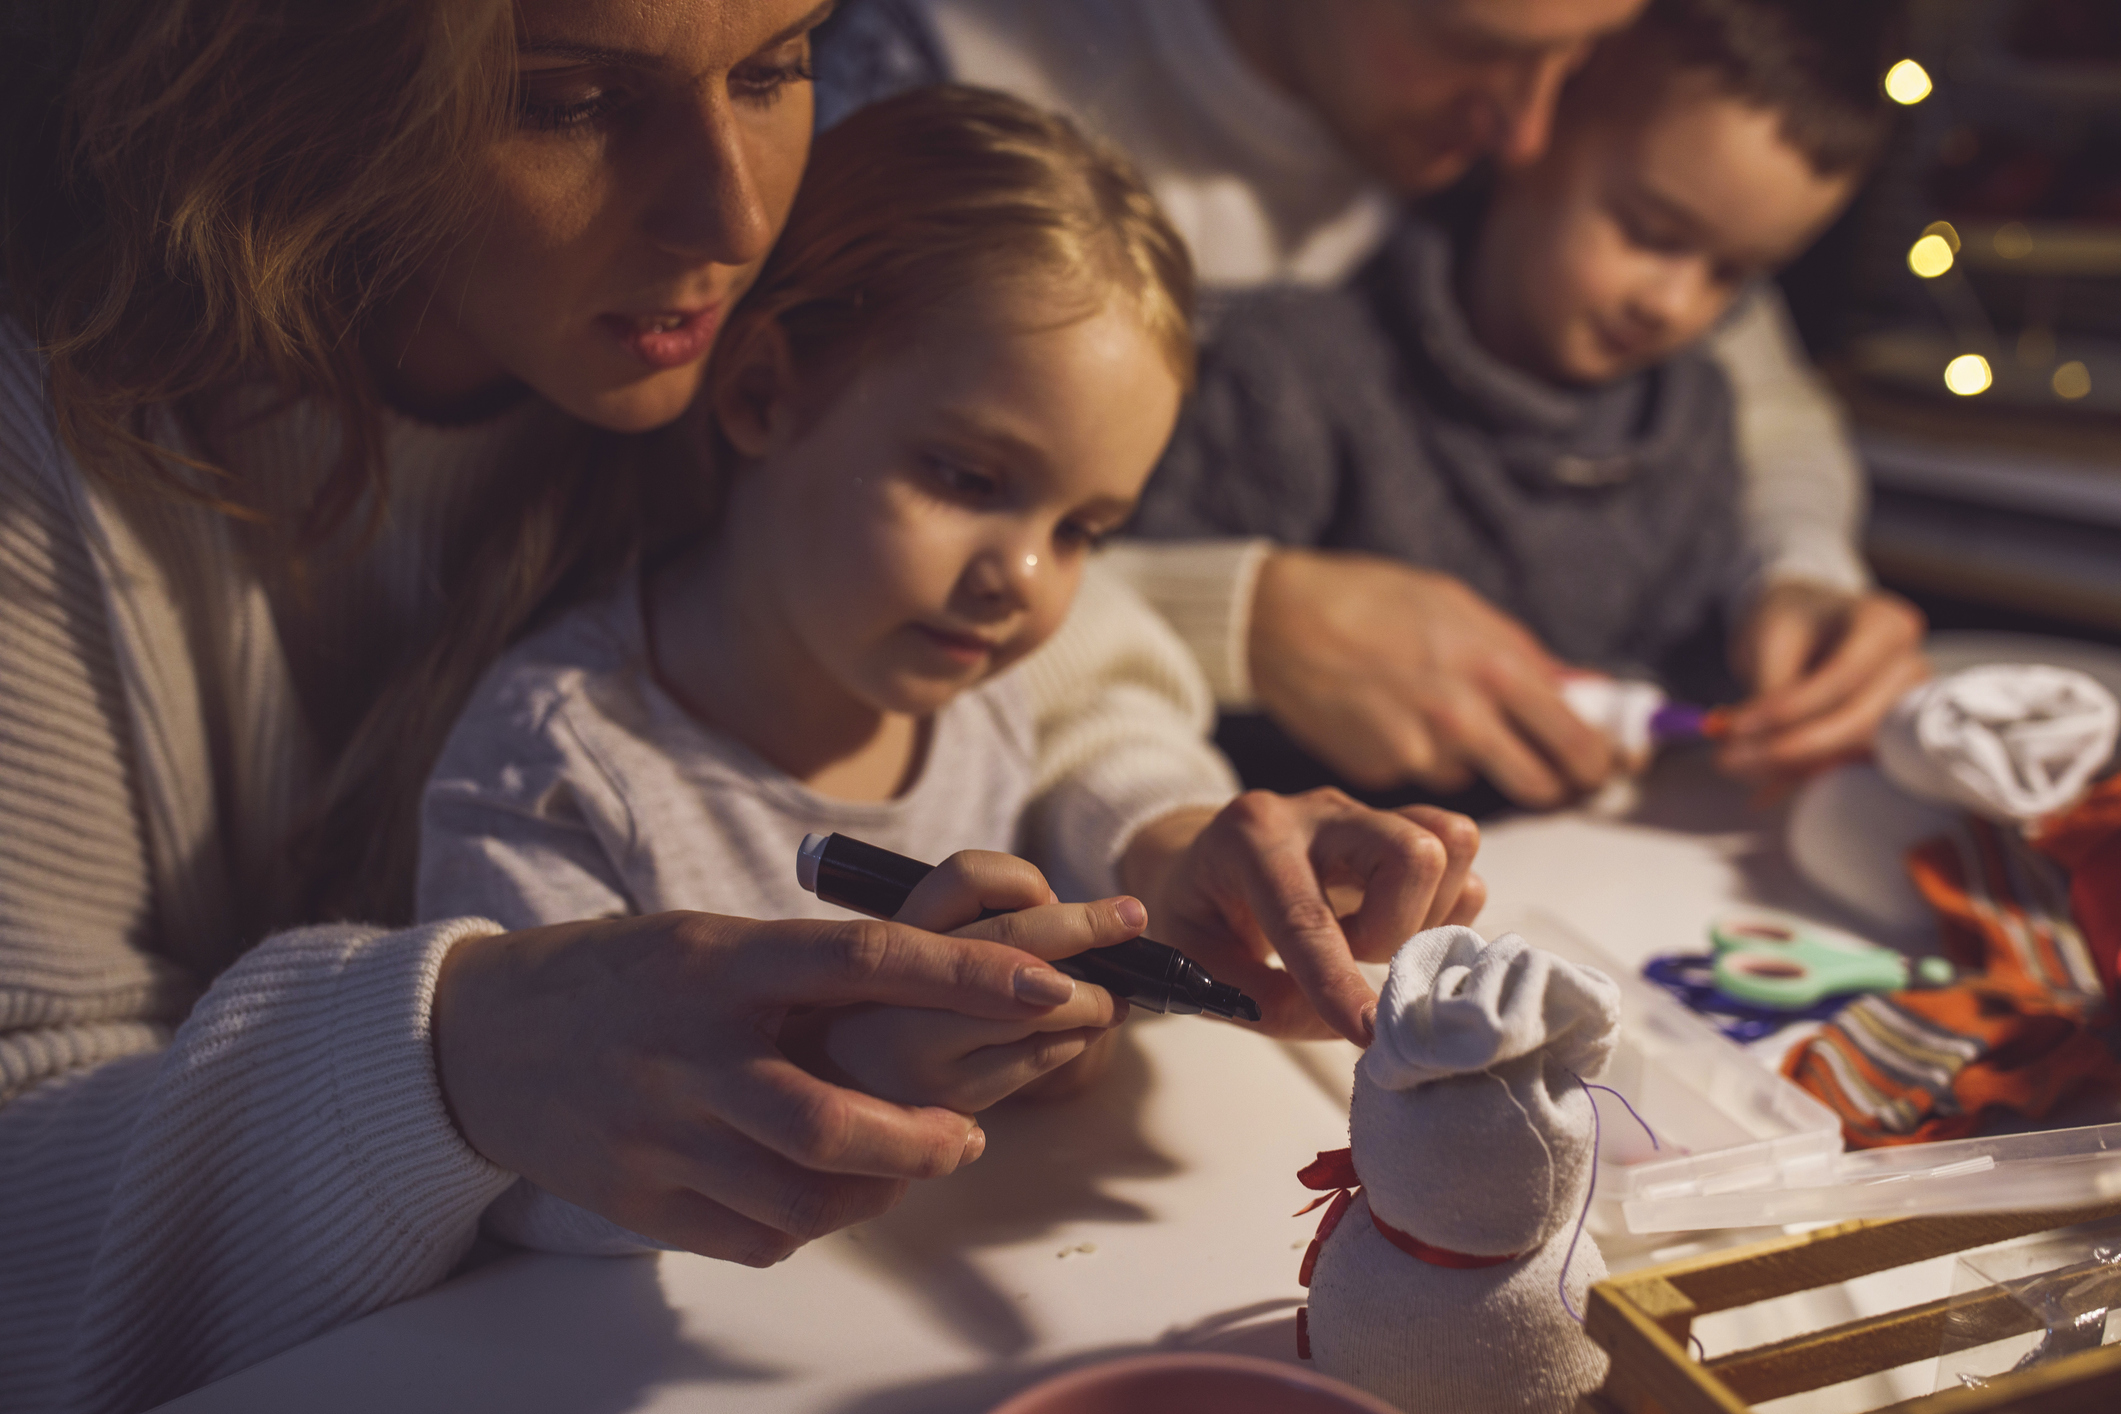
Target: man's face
{"x": 1420, "y": 90}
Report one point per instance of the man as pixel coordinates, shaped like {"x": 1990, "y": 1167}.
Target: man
{"x": 1280, "y": 139}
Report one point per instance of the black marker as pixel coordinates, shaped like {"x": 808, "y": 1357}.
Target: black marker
{"x": 843, "y": 870}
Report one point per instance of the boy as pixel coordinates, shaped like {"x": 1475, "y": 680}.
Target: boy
{"x": 1517, "y": 398}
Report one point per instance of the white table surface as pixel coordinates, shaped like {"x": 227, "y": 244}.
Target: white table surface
{"x": 1154, "y": 1212}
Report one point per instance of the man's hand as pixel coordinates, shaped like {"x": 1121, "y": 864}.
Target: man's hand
{"x": 1389, "y": 673}
{"x": 1824, "y": 667}
{"x": 1317, "y": 880}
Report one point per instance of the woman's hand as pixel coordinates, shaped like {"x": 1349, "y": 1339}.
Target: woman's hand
{"x": 1319, "y": 880}
{"x": 1824, "y": 667}
{"x": 921, "y": 1056}
{"x": 633, "y": 1067}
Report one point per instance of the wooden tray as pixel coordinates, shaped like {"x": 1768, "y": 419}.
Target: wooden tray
{"x": 1642, "y": 1319}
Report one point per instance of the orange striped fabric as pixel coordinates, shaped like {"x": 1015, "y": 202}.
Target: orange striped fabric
{"x": 2034, "y": 925}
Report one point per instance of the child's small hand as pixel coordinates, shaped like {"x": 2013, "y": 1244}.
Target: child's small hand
{"x": 1825, "y": 666}
{"x": 923, "y": 1057}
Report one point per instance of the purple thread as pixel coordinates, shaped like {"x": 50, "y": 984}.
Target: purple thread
{"x": 1591, "y": 1189}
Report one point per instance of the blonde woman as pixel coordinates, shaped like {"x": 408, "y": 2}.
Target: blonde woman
{"x": 346, "y": 344}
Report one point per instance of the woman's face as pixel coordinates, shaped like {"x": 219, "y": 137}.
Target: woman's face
{"x": 653, "y": 158}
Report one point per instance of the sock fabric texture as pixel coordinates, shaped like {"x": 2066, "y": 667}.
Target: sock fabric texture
{"x": 1471, "y": 1132}
{"x": 2035, "y": 923}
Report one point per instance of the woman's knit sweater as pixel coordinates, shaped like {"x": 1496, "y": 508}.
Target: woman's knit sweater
{"x": 213, "y": 1147}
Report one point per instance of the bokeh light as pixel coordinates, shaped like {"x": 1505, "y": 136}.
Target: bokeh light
{"x": 1968, "y": 375}
{"x": 1907, "y": 82}
{"x": 1930, "y": 256}
{"x": 2013, "y": 241}
{"x": 2073, "y": 381}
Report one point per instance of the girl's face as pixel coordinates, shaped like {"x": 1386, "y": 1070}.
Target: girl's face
{"x": 927, "y": 525}
{"x": 655, "y": 154}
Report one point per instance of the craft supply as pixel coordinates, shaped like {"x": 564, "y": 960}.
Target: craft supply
{"x": 2023, "y": 1029}
{"x": 2008, "y": 741}
{"x": 1768, "y": 958}
{"x": 1646, "y": 1316}
{"x": 843, "y": 870}
{"x": 1451, "y": 1252}
{"x": 1691, "y": 978}
{"x": 1590, "y": 1190}
{"x": 2086, "y": 841}
{"x": 1716, "y": 1108}
{"x": 1636, "y": 716}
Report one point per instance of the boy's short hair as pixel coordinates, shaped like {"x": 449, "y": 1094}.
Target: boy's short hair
{"x": 1819, "y": 63}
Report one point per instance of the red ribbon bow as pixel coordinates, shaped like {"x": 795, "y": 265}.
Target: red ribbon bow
{"x": 1333, "y": 1174}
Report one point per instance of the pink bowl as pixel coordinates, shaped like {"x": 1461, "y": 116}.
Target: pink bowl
{"x": 1193, "y": 1384}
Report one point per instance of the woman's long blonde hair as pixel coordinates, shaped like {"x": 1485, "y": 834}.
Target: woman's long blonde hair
{"x": 205, "y": 193}
{"x": 202, "y": 196}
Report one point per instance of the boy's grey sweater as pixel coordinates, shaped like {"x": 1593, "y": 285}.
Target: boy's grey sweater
{"x": 1368, "y": 418}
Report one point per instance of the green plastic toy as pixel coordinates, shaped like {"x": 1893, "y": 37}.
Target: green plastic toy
{"x": 1776, "y": 959}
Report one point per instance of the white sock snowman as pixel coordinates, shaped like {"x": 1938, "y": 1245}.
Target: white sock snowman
{"x": 1437, "y": 1286}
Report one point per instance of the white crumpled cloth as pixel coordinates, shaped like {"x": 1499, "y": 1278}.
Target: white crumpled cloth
{"x": 2009, "y": 741}
{"x": 1620, "y": 709}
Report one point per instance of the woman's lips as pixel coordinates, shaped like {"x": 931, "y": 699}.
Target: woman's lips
{"x": 668, "y": 339}
{"x": 965, "y": 647}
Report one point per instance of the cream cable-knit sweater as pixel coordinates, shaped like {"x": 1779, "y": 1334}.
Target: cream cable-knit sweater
{"x": 211, "y": 1149}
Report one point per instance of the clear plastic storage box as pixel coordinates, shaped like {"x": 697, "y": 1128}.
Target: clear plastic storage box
{"x": 1743, "y": 1147}
{"x": 1714, "y": 1108}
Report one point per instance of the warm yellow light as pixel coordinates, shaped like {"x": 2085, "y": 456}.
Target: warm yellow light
{"x": 2073, "y": 381}
{"x": 1945, "y": 229}
{"x": 1967, "y": 375}
{"x": 1907, "y": 82}
{"x": 1930, "y": 257}
{"x": 2013, "y": 241}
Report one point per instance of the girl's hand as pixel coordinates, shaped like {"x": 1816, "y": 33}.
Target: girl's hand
{"x": 1317, "y": 879}
{"x": 921, "y": 1056}
{"x": 633, "y": 1066}
{"x": 1824, "y": 667}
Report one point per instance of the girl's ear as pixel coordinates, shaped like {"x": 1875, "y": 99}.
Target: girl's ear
{"x": 754, "y": 397}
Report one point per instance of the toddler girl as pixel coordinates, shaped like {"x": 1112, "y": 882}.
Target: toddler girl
{"x": 950, "y": 381}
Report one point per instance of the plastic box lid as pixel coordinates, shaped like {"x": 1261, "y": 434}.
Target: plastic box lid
{"x": 1713, "y": 1106}
{"x": 1743, "y": 1147}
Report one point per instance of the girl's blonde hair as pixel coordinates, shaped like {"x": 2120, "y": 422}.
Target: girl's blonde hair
{"x": 204, "y": 197}
{"x": 914, "y": 201}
